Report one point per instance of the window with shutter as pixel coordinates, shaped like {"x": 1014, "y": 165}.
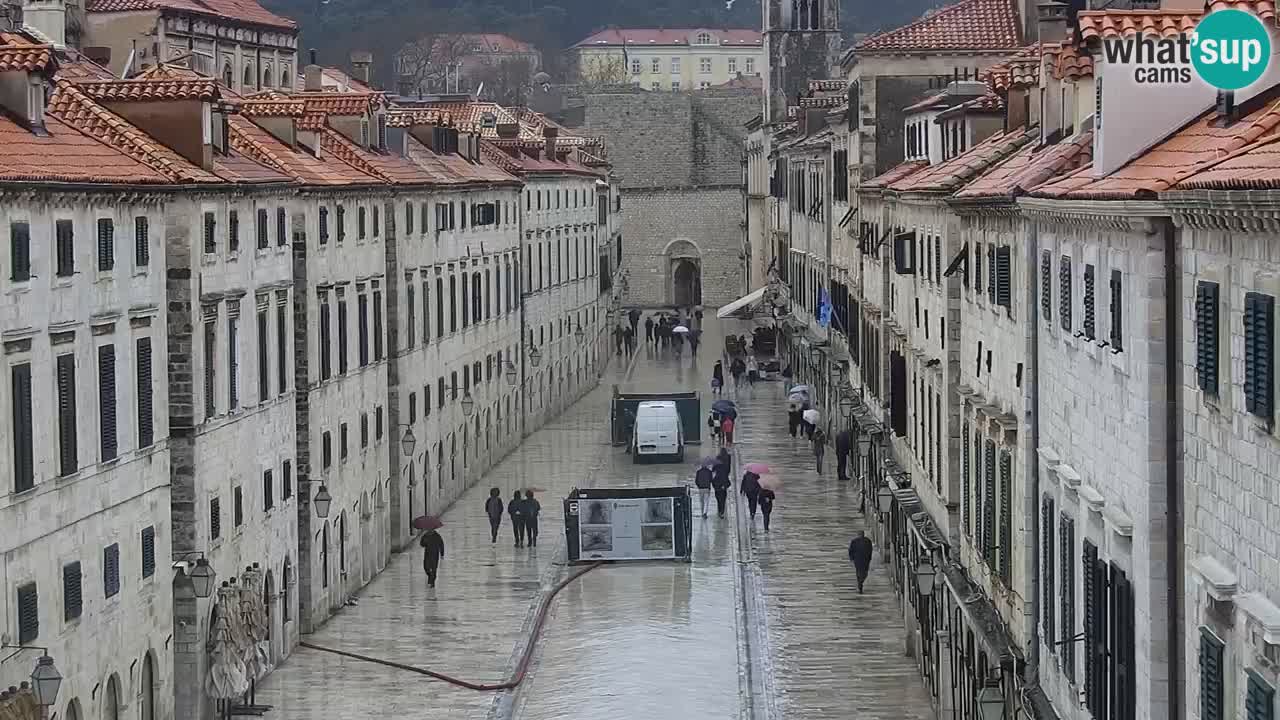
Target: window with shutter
{"x": 268, "y": 491}
{"x": 1211, "y": 680}
{"x": 1096, "y": 626}
{"x": 325, "y": 348}
{"x": 1064, "y": 292}
{"x": 324, "y": 226}
{"x": 904, "y": 248}
{"x": 411, "y": 322}
{"x": 361, "y": 215}
{"x": 1048, "y": 516}
{"x": 215, "y": 518}
{"x": 377, "y": 221}
{"x": 342, "y": 441}
{"x": 426, "y": 311}
{"x": 898, "y": 393}
{"x": 1046, "y": 286}
{"x": 1006, "y": 516}
{"x": 364, "y": 429}
{"x": 1259, "y": 698}
{"x": 261, "y": 229}
{"x": 377, "y": 423}
{"x": 1066, "y": 558}
{"x": 210, "y": 365}
{"x": 1089, "y": 558}
{"x": 1117, "y": 311}
{"x": 23, "y": 431}
{"x": 1259, "y": 355}
{"x": 64, "y": 239}
{"x": 233, "y": 231}
{"x": 341, "y": 221}
{"x": 991, "y": 274}
{"x": 966, "y": 495}
{"x": 989, "y": 538}
{"x": 210, "y": 230}
{"x": 377, "y": 327}
{"x": 264, "y": 369}
{"x": 106, "y": 245}
{"x": 1121, "y": 651}
{"x": 28, "y": 614}
{"x": 282, "y": 342}
{"x": 286, "y": 480}
{"x": 107, "y": 401}
{"x": 362, "y": 324}
{"x": 326, "y": 446}
{"x": 111, "y": 570}
{"x": 342, "y": 333}
{"x": 141, "y": 242}
{"x": 148, "y": 551}
{"x": 1089, "y": 328}
{"x": 237, "y": 506}
{"x": 233, "y": 356}
{"x": 68, "y": 448}
{"x": 1004, "y": 276}
{"x": 72, "y": 592}
{"x": 20, "y": 251}
{"x": 282, "y": 227}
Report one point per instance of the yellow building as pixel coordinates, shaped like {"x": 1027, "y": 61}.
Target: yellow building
{"x": 668, "y": 59}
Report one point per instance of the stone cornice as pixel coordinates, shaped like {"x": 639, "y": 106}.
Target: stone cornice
{"x": 1229, "y": 210}
{"x": 1124, "y": 215}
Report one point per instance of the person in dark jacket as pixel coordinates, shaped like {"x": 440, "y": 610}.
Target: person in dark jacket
{"x": 717, "y": 378}
{"x": 844, "y": 444}
{"x": 793, "y": 420}
{"x": 515, "y": 509}
{"x": 737, "y": 368}
{"x": 720, "y": 483}
{"x": 432, "y": 553}
{"x": 819, "y": 438}
{"x": 648, "y": 330}
{"x": 860, "y": 556}
{"x": 493, "y": 508}
{"x": 531, "y": 509}
{"x": 702, "y": 479}
{"x": 634, "y": 317}
{"x": 766, "y": 505}
{"x": 750, "y": 486}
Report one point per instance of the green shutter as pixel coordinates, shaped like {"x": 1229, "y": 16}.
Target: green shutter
{"x": 1259, "y": 354}
{"x": 1090, "y": 327}
{"x": 1006, "y": 516}
{"x": 1047, "y": 609}
{"x": 966, "y": 497}
{"x": 1210, "y": 676}
{"x": 989, "y": 506}
{"x": 1066, "y": 557}
{"x": 1259, "y": 699}
{"x": 1088, "y": 559}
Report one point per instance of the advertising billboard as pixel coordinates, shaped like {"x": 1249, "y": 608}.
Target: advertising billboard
{"x": 648, "y": 524}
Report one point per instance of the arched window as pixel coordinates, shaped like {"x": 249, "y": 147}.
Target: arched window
{"x": 228, "y": 78}
{"x": 703, "y": 38}
{"x": 815, "y": 14}
{"x": 286, "y": 581}
{"x": 266, "y": 76}
{"x": 148, "y": 686}
{"x": 73, "y": 711}
{"x": 111, "y": 701}
{"x": 286, "y": 81}
{"x": 248, "y": 77}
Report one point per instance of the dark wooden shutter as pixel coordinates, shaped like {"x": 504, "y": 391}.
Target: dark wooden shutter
{"x": 233, "y": 357}
{"x": 20, "y": 251}
{"x": 1117, "y": 310}
{"x": 141, "y": 242}
{"x": 282, "y": 345}
{"x": 68, "y": 449}
{"x": 377, "y": 221}
{"x": 1064, "y": 293}
{"x": 237, "y": 506}
{"x": 1090, "y": 328}
{"x": 1207, "y": 336}
{"x": 966, "y": 480}
{"x": 264, "y": 370}
{"x": 1259, "y": 698}
{"x": 1259, "y": 354}
{"x": 111, "y": 570}
{"x": 106, "y": 244}
{"x": 377, "y": 326}
{"x": 325, "y": 341}
{"x": 989, "y": 504}
{"x": 210, "y": 366}
{"x": 215, "y": 518}
{"x": 1066, "y": 558}
{"x": 326, "y": 448}
{"x": 1006, "y": 516}
{"x": 898, "y": 393}
{"x": 1089, "y": 558}
{"x": 211, "y": 238}
{"x": 72, "y": 593}
{"x": 362, "y": 323}
{"x": 148, "y": 551}
{"x": 282, "y": 227}
{"x": 1004, "y": 276}
{"x": 233, "y": 231}
{"x": 23, "y": 432}
{"x": 64, "y": 238}
{"x": 1211, "y": 691}
{"x": 261, "y": 228}
{"x": 324, "y": 225}
{"x": 286, "y": 480}
{"x": 268, "y": 491}
{"x": 107, "y": 400}
{"x": 991, "y": 274}
{"x": 1048, "y": 516}
{"x": 1123, "y": 696}
{"x": 1046, "y": 285}
{"x": 28, "y": 614}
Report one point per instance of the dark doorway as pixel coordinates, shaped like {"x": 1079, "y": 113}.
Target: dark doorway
{"x": 687, "y": 280}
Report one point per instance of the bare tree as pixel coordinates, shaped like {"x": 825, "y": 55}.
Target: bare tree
{"x": 506, "y": 81}
{"x": 428, "y": 63}
{"x": 602, "y": 70}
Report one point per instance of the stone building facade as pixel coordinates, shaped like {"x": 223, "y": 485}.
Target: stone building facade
{"x": 801, "y": 43}
{"x": 667, "y": 59}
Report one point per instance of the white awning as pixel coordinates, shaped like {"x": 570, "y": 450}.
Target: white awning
{"x": 740, "y": 303}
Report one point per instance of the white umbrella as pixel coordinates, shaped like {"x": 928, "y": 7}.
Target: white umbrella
{"x": 799, "y": 389}
{"x": 680, "y": 329}
{"x": 810, "y": 416}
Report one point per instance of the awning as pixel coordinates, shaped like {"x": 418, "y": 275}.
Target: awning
{"x": 745, "y": 301}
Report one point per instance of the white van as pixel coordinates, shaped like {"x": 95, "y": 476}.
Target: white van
{"x": 658, "y": 432}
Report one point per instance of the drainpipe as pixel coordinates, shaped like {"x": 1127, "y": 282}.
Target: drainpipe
{"x": 1173, "y": 463}
{"x": 1031, "y": 374}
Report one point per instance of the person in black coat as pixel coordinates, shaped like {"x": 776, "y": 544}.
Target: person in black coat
{"x": 844, "y": 444}
{"x": 794, "y": 420}
{"x": 515, "y": 509}
{"x": 860, "y": 556}
{"x": 493, "y": 508}
{"x": 702, "y": 479}
{"x": 720, "y": 483}
{"x": 750, "y": 486}
{"x": 766, "y": 505}
{"x": 531, "y": 508}
{"x": 432, "y": 553}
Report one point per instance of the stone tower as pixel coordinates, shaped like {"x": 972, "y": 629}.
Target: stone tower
{"x": 802, "y": 43}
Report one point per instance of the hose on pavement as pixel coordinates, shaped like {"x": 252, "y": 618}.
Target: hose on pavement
{"x": 521, "y": 668}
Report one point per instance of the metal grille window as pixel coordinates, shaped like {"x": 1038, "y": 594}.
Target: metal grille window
{"x": 1089, "y": 326}
{"x": 210, "y": 230}
{"x": 106, "y": 245}
{"x": 28, "y": 614}
{"x": 1046, "y": 286}
{"x": 23, "y": 430}
{"x": 1006, "y": 516}
{"x": 1117, "y": 311}
{"x": 1259, "y": 698}
{"x": 989, "y": 505}
{"x": 233, "y": 231}
{"x": 268, "y": 491}
{"x": 20, "y": 251}
{"x": 1048, "y": 516}
{"x": 1064, "y": 292}
{"x": 261, "y": 228}
{"x": 237, "y": 506}
{"x": 65, "y": 250}
{"x": 215, "y": 518}
{"x": 107, "y": 401}
{"x": 111, "y": 570}
{"x": 72, "y": 592}
{"x": 1211, "y": 680}
{"x": 68, "y": 449}
{"x": 148, "y": 551}
{"x": 146, "y": 402}
{"x": 286, "y": 480}
{"x": 141, "y": 242}
{"x": 362, "y": 325}
{"x": 1259, "y": 355}
{"x": 1066, "y": 557}
{"x": 282, "y": 228}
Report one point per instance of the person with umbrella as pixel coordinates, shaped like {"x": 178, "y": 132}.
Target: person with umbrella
{"x": 720, "y": 481}
{"x": 432, "y": 553}
{"x": 493, "y": 508}
{"x": 750, "y": 486}
{"x": 717, "y": 378}
{"x": 515, "y": 509}
{"x": 793, "y": 417}
{"x": 819, "y": 438}
{"x": 810, "y": 419}
{"x": 860, "y": 556}
{"x": 530, "y": 509}
{"x": 713, "y": 422}
{"x": 648, "y": 330}
{"x": 702, "y": 479}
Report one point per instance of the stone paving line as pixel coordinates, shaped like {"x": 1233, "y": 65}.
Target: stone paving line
{"x": 835, "y": 654}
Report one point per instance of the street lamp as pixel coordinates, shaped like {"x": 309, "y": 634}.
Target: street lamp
{"x": 926, "y": 576}
{"x": 195, "y": 581}
{"x": 45, "y": 678}
{"x": 884, "y": 499}
{"x": 846, "y": 405}
{"x": 991, "y": 701}
{"x": 322, "y": 501}
{"x": 468, "y": 404}
{"x": 511, "y": 373}
{"x": 579, "y": 332}
{"x": 535, "y": 357}
{"x": 864, "y": 446}
{"x": 408, "y": 442}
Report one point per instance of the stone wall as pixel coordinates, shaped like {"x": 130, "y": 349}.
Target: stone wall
{"x": 705, "y": 217}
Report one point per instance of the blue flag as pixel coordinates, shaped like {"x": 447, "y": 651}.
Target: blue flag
{"x": 824, "y": 308}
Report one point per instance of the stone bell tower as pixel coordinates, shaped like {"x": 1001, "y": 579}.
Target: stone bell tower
{"x": 802, "y": 43}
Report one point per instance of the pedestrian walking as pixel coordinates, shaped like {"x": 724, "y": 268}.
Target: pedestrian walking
{"x": 750, "y": 486}
{"x": 634, "y": 317}
{"x": 720, "y": 483}
{"x": 726, "y": 429}
{"x": 844, "y": 444}
{"x": 695, "y": 337}
{"x": 860, "y": 556}
{"x": 717, "y": 378}
{"x": 617, "y": 340}
{"x": 713, "y": 422}
{"x": 493, "y": 508}
{"x": 648, "y": 330}
{"x": 737, "y": 368}
{"x": 531, "y": 509}
{"x": 766, "y": 505}
{"x": 629, "y": 340}
{"x": 793, "y": 419}
{"x": 819, "y": 439}
{"x": 753, "y": 370}
{"x": 432, "y": 553}
{"x": 515, "y": 509}
{"x": 702, "y": 479}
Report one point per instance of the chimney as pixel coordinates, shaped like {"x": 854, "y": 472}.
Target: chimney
{"x": 49, "y": 18}
{"x": 814, "y": 119}
{"x": 549, "y": 135}
{"x": 1052, "y": 22}
{"x": 1226, "y": 109}
{"x": 312, "y": 75}
{"x": 362, "y": 65}
{"x": 508, "y": 131}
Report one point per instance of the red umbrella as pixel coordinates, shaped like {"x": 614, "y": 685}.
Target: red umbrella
{"x": 428, "y": 522}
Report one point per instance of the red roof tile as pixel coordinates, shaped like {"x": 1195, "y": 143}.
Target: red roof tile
{"x": 65, "y": 155}
{"x": 481, "y": 43}
{"x": 1069, "y": 62}
{"x": 954, "y": 173}
{"x": 78, "y": 67}
{"x": 1095, "y": 24}
{"x": 936, "y": 100}
{"x": 989, "y": 103}
{"x": 341, "y": 104}
{"x": 1021, "y": 70}
{"x": 1256, "y": 167}
{"x": 253, "y": 141}
{"x": 1029, "y": 168}
{"x": 893, "y": 175}
{"x": 653, "y": 36}
{"x": 239, "y": 11}
{"x": 18, "y": 52}
{"x": 1196, "y": 147}
{"x": 1265, "y": 9}
{"x": 455, "y": 170}
{"x": 966, "y": 25}
{"x": 271, "y": 108}
{"x": 148, "y": 90}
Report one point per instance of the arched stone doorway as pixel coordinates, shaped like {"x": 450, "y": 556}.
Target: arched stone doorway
{"x": 111, "y": 701}
{"x": 147, "y": 692}
{"x": 684, "y": 268}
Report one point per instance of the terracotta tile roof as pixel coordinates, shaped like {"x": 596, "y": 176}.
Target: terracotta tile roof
{"x": 469, "y": 115}
{"x": 408, "y": 117}
{"x": 893, "y": 175}
{"x": 1101, "y": 24}
{"x": 238, "y": 11}
{"x": 959, "y": 170}
{"x": 1256, "y": 167}
{"x": 936, "y": 100}
{"x": 1069, "y": 62}
{"x": 524, "y": 154}
{"x": 1196, "y": 147}
{"x": 148, "y": 90}
{"x": 385, "y": 166}
{"x": 74, "y": 66}
{"x": 989, "y": 103}
{"x": 18, "y": 52}
{"x": 333, "y": 103}
{"x": 254, "y": 142}
{"x": 1264, "y": 9}
{"x": 486, "y": 42}
{"x": 653, "y": 36}
{"x": 966, "y": 25}
{"x": 241, "y": 167}
{"x": 345, "y": 80}
{"x": 66, "y": 155}
{"x": 454, "y": 170}
{"x": 171, "y": 70}
{"x": 314, "y": 122}
{"x": 271, "y": 108}
{"x": 1029, "y": 168}
{"x": 1021, "y": 70}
